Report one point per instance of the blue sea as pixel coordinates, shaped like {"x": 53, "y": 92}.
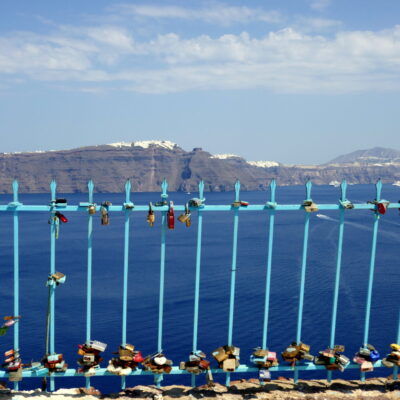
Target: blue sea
{"x": 144, "y": 272}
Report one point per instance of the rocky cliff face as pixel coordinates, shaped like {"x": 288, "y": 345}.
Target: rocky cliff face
{"x": 146, "y": 164}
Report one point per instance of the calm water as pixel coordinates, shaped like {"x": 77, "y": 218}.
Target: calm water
{"x": 71, "y": 258}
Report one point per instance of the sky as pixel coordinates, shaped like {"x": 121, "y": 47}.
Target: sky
{"x": 294, "y": 81}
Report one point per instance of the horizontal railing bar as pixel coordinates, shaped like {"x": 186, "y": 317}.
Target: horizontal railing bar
{"x": 176, "y": 371}
{"x": 255, "y": 207}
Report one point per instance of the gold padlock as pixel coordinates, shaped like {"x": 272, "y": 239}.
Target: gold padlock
{"x": 310, "y": 206}
{"x": 188, "y": 222}
{"x": 183, "y": 218}
{"x": 92, "y": 209}
{"x": 105, "y": 218}
{"x": 150, "y": 216}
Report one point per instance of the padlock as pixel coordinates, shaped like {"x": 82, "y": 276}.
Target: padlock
{"x": 60, "y": 201}
{"x": 382, "y": 206}
{"x": 364, "y": 352}
{"x": 220, "y": 354}
{"x": 92, "y": 209}
{"x": 310, "y": 206}
{"x": 259, "y": 352}
{"x": 204, "y": 364}
{"x": 264, "y": 374}
{"x": 185, "y": 216}
{"x": 129, "y": 347}
{"x": 160, "y": 360}
{"x": 195, "y": 202}
{"x": 343, "y": 360}
{"x": 61, "y": 217}
{"x": 374, "y": 356}
{"x": 367, "y": 366}
{"x": 338, "y": 348}
{"x": 395, "y": 346}
{"x": 138, "y": 358}
{"x": 182, "y": 365}
{"x": 105, "y": 218}
{"x": 150, "y": 216}
{"x": 9, "y": 353}
{"x": 387, "y": 363}
{"x": 229, "y": 365}
{"x": 171, "y": 216}
{"x": 96, "y": 345}
{"x": 308, "y": 357}
{"x": 358, "y": 360}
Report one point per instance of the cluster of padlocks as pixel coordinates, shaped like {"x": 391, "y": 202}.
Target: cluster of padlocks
{"x": 91, "y": 358}
{"x": 197, "y": 364}
{"x": 393, "y": 358}
{"x": 366, "y": 357}
{"x": 333, "y": 359}
{"x": 127, "y": 360}
{"x": 227, "y": 357}
{"x": 185, "y": 218}
{"x": 55, "y": 363}
{"x": 13, "y": 364}
{"x": 157, "y": 363}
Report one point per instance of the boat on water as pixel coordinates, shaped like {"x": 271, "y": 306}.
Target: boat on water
{"x": 334, "y": 183}
{"x": 396, "y": 183}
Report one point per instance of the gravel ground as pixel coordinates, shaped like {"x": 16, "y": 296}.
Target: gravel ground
{"x": 280, "y": 389}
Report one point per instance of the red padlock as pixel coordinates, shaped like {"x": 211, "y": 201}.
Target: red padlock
{"x": 61, "y": 217}
{"x": 171, "y": 216}
{"x": 381, "y": 208}
{"x": 138, "y": 358}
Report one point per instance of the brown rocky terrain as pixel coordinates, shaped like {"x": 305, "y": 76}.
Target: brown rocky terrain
{"x": 280, "y": 389}
{"x": 111, "y": 165}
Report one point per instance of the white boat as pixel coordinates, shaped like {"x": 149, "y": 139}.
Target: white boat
{"x": 396, "y": 183}
{"x": 334, "y": 183}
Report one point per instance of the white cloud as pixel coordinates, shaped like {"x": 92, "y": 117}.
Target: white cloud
{"x": 320, "y": 5}
{"x": 217, "y": 13}
{"x": 287, "y": 60}
{"x": 309, "y": 24}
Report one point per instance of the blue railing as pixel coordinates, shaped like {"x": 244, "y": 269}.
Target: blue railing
{"x": 270, "y": 208}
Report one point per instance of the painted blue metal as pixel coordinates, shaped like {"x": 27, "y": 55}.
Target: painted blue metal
{"x": 343, "y": 198}
{"x": 89, "y": 272}
{"x": 233, "y": 272}
{"x": 303, "y": 272}
{"x": 252, "y": 207}
{"x": 16, "y": 270}
{"x": 270, "y": 207}
{"x": 371, "y": 269}
{"x": 176, "y": 371}
{"x": 164, "y": 187}
{"x": 53, "y": 231}
{"x": 126, "y": 261}
{"x": 197, "y": 278}
{"x": 272, "y": 187}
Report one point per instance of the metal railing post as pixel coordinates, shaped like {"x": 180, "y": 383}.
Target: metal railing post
{"x": 89, "y": 273}
{"x": 197, "y": 279}
{"x": 269, "y": 262}
{"x": 378, "y": 187}
{"x": 303, "y": 274}
{"x": 343, "y": 198}
{"x": 52, "y": 289}
{"x": 233, "y": 273}
{"x": 164, "y": 196}
{"x": 16, "y": 270}
{"x": 125, "y": 275}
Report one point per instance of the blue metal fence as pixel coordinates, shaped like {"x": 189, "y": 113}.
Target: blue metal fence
{"x": 270, "y": 209}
